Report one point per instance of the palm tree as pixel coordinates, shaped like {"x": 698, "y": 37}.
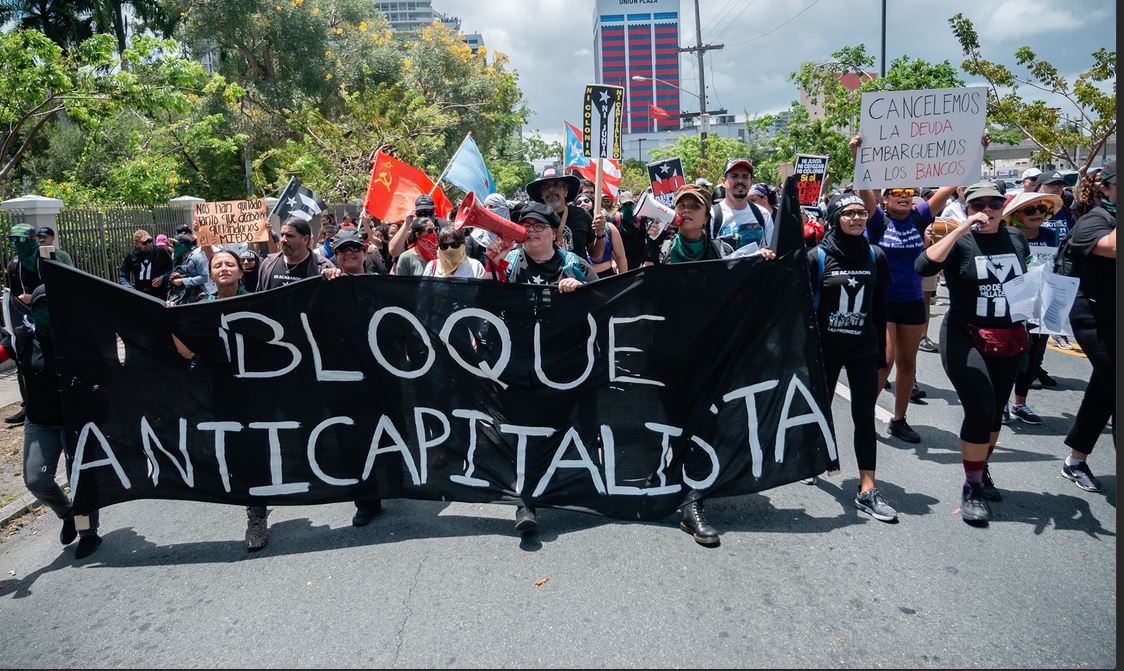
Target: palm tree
{"x": 65, "y": 22}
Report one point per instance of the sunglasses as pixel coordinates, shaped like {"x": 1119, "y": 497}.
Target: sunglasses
{"x": 1040, "y": 209}
{"x": 449, "y": 245}
{"x": 902, "y": 193}
{"x": 345, "y": 249}
{"x": 17, "y": 238}
{"x": 980, "y": 204}
{"x": 146, "y": 242}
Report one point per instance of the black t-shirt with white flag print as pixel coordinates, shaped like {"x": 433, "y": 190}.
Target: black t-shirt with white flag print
{"x": 975, "y": 270}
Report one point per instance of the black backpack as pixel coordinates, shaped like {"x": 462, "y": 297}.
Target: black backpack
{"x": 1064, "y": 263}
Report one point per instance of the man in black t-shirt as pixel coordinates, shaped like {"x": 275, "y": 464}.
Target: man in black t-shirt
{"x": 555, "y": 189}
{"x": 295, "y": 261}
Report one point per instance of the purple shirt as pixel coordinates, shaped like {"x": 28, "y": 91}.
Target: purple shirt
{"x": 902, "y": 244}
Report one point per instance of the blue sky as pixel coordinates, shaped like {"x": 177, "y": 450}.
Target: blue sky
{"x": 550, "y": 42}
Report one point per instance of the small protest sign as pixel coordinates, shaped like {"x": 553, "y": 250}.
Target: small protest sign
{"x": 810, "y": 172}
{"x": 666, "y": 176}
{"x": 929, "y": 137}
{"x": 231, "y": 221}
{"x": 601, "y": 114}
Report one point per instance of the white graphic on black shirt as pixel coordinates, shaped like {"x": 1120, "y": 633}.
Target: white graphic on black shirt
{"x": 992, "y": 300}
{"x": 848, "y": 317}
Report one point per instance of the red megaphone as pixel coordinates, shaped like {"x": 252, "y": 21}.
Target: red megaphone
{"x": 478, "y": 216}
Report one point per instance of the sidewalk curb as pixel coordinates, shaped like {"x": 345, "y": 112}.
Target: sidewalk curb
{"x": 23, "y": 505}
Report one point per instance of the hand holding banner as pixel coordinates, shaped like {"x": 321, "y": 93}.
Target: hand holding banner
{"x": 929, "y": 137}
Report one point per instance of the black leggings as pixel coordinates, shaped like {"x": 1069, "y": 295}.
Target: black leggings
{"x": 982, "y": 383}
{"x": 1095, "y": 330}
{"x": 862, "y": 376}
{"x": 1037, "y": 352}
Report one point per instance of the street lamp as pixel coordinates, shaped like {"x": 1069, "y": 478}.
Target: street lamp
{"x": 704, "y": 118}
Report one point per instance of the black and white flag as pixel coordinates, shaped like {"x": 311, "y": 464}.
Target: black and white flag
{"x": 298, "y": 201}
{"x": 602, "y": 121}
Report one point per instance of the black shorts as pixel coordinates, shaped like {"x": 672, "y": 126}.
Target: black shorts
{"x": 909, "y": 313}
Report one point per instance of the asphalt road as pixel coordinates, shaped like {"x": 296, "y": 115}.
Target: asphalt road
{"x": 801, "y": 579}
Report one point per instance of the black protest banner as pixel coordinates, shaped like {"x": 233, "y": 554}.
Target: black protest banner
{"x": 617, "y": 399}
{"x": 666, "y": 176}
{"x": 810, "y": 172}
{"x": 601, "y": 118}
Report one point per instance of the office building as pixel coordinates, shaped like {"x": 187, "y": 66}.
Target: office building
{"x": 640, "y": 38}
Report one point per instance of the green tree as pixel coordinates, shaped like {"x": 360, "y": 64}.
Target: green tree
{"x": 1075, "y": 138}
{"x": 829, "y": 134}
{"x": 686, "y": 147}
{"x": 510, "y": 162}
{"x": 634, "y": 175}
{"x": 89, "y": 85}
{"x": 65, "y": 22}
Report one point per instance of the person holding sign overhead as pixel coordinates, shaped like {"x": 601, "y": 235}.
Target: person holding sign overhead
{"x": 898, "y": 227}
{"x": 980, "y": 343}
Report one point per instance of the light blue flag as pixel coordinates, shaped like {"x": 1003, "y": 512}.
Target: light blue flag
{"x": 468, "y": 172}
{"x": 574, "y": 156}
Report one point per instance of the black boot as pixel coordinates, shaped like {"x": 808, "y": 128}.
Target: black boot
{"x": 525, "y": 519}
{"x": 695, "y": 523}
{"x": 16, "y": 418}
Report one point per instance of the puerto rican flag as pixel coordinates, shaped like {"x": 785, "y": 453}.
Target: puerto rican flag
{"x": 575, "y": 159}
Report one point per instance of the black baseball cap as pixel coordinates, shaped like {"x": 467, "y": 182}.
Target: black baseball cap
{"x": 183, "y": 228}
{"x": 1052, "y": 177}
{"x": 424, "y": 202}
{"x": 539, "y": 212}
{"x": 347, "y": 236}
{"x": 1108, "y": 173}
{"x": 44, "y": 230}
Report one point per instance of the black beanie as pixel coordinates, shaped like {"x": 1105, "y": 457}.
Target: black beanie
{"x": 836, "y": 205}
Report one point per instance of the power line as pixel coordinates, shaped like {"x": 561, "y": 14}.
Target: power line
{"x": 730, "y": 21}
{"x": 776, "y": 28}
{"x": 715, "y": 20}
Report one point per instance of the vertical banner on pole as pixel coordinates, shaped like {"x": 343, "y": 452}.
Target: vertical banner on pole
{"x": 602, "y": 121}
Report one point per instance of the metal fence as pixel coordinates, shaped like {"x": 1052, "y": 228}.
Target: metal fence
{"x": 98, "y": 240}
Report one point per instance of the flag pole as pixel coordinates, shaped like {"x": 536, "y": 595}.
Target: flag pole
{"x": 278, "y": 203}
{"x": 449, "y": 164}
{"x": 597, "y": 190}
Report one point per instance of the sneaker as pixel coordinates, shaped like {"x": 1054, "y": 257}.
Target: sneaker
{"x": 1081, "y": 476}
{"x": 988, "y": 491}
{"x": 257, "y": 532}
{"x": 973, "y": 509}
{"x": 365, "y": 511}
{"x": 1006, "y": 419}
{"x": 1045, "y": 379}
{"x": 1061, "y": 342}
{"x": 86, "y": 546}
{"x": 927, "y": 345}
{"x": 917, "y": 393}
{"x": 1026, "y": 414}
{"x": 809, "y": 481}
{"x": 872, "y": 503}
{"x": 899, "y": 428}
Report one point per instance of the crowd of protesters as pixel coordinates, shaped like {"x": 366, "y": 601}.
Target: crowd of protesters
{"x": 873, "y": 260}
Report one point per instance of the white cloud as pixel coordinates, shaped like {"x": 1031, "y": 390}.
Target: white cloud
{"x": 1016, "y": 19}
{"x": 550, "y": 43}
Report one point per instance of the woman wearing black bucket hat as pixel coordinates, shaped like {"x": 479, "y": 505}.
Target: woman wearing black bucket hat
{"x": 980, "y": 344}
{"x": 849, "y": 277}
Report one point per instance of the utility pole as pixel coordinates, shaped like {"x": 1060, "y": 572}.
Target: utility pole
{"x": 640, "y": 148}
{"x": 704, "y": 114}
{"x": 883, "y": 62}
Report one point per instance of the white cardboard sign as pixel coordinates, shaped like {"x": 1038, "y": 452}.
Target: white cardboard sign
{"x": 930, "y": 137}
